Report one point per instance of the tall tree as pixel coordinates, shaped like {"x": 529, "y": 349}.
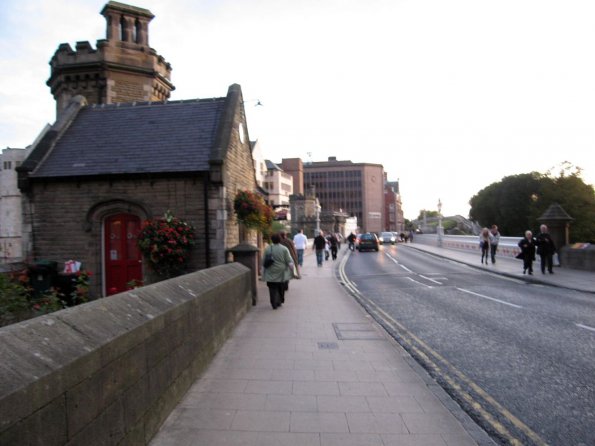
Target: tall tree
{"x": 516, "y": 202}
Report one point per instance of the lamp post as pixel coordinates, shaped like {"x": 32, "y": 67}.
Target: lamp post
{"x": 317, "y": 204}
{"x": 440, "y": 230}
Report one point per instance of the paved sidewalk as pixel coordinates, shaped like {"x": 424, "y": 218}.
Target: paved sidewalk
{"x": 316, "y": 372}
{"x": 573, "y": 279}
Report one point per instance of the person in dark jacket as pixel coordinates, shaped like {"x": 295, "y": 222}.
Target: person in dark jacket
{"x": 319, "y": 245}
{"x": 332, "y": 239}
{"x": 545, "y": 249}
{"x": 527, "y": 245}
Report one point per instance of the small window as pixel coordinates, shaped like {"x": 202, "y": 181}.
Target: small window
{"x": 7, "y": 165}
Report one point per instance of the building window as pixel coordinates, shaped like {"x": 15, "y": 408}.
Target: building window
{"x": 7, "y": 165}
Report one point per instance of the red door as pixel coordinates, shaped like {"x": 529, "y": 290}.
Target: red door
{"x": 122, "y": 256}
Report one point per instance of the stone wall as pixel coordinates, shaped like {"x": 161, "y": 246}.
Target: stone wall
{"x": 110, "y": 371}
{"x": 73, "y": 213}
{"x": 579, "y": 256}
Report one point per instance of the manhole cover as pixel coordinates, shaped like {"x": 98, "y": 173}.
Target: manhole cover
{"x": 356, "y": 332}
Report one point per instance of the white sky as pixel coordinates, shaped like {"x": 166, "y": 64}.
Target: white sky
{"x": 450, "y": 96}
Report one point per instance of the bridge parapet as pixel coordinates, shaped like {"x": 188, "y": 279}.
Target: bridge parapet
{"x": 110, "y": 371}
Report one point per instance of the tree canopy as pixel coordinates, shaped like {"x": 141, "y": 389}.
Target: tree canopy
{"x": 516, "y": 202}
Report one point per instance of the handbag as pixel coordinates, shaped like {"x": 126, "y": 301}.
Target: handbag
{"x": 268, "y": 259}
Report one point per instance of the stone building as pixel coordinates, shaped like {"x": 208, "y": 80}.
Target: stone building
{"x": 101, "y": 170}
{"x": 115, "y": 157}
{"x": 123, "y": 67}
{"x": 10, "y": 206}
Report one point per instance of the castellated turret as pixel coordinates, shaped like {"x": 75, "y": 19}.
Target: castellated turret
{"x": 123, "y": 68}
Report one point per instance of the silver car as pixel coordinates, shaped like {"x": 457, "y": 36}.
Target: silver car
{"x": 387, "y": 237}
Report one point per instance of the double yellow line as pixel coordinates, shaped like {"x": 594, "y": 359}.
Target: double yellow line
{"x": 433, "y": 359}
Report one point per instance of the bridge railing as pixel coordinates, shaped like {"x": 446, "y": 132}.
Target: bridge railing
{"x": 508, "y": 246}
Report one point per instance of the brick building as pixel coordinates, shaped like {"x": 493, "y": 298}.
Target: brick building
{"x": 394, "y": 218}
{"x": 111, "y": 160}
{"x": 356, "y": 189}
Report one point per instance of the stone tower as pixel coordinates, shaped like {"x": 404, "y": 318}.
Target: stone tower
{"x": 123, "y": 68}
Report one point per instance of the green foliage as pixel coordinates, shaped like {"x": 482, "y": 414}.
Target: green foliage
{"x": 252, "y": 211}
{"x": 13, "y": 300}
{"x": 51, "y": 301}
{"x": 449, "y": 224}
{"x": 516, "y": 202}
{"x": 166, "y": 242}
{"x": 18, "y": 301}
{"x": 428, "y": 214}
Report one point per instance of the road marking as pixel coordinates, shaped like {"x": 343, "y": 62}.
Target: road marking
{"x": 586, "y": 327}
{"x": 431, "y": 280}
{"x": 420, "y": 283}
{"x": 490, "y": 298}
{"x": 476, "y": 405}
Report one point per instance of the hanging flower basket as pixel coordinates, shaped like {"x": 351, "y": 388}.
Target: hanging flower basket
{"x": 165, "y": 243}
{"x": 252, "y": 211}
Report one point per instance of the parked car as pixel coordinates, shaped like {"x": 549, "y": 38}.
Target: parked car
{"x": 388, "y": 237}
{"x": 368, "y": 241}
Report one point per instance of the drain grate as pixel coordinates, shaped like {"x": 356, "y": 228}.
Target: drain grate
{"x": 356, "y": 332}
{"x": 328, "y": 345}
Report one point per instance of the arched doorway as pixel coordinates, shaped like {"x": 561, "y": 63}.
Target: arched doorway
{"x": 123, "y": 262}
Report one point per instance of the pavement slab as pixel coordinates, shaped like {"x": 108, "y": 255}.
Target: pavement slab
{"x": 317, "y": 371}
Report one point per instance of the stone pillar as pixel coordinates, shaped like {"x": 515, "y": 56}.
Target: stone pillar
{"x": 247, "y": 255}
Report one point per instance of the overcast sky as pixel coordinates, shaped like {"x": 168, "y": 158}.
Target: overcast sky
{"x": 449, "y": 96}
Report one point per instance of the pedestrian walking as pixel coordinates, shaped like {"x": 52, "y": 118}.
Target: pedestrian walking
{"x": 278, "y": 272}
{"x": 289, "y": 245}
{"x": 484, "y": 244}
{"x": 300, "y": 242}
{"x": 318, "y": 246}
{"x": 545, "y": 249}
{"x": 527, "y": 245}
{"x": 334, "y": 245}
{"x": 494, "y": 240}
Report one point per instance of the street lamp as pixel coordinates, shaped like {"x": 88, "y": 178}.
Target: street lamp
{"x": 317, "y": 204}
{"x": 440, "y": 230}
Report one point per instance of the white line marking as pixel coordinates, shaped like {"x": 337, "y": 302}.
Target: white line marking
{"x": 490, "y": 298}
{"x": 586, "y": 327}
{"x": 396, "y": 261}
{"x": 429, "y": 286}
{"x": 431, "y": 280}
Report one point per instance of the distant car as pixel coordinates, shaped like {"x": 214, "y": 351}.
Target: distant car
{"x": 388, "y": 237}
{"x": 368, "y": 241}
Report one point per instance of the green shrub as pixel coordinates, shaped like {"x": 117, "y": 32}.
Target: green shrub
{"x": 14, "y": 300}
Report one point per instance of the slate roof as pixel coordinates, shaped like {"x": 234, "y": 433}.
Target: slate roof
{"x": 271, "y": 166}
{"x": 555, "y": 212}
{"x": 144, "y": 137}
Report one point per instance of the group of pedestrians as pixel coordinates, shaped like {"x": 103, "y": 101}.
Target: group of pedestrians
{"x": 287, "y": 258}
{"x": 488, "y": 243}
{"x": 545, "y": 247}
{"x": 542, "y": 244}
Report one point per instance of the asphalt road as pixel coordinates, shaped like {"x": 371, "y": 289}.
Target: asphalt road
{"x": 519, "y": 358}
